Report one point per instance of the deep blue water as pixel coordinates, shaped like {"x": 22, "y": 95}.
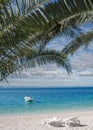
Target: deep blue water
{"x": 45, "y": 99}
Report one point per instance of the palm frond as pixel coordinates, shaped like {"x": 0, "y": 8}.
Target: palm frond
{"x": 83, "y": 39}
{"x": 17, "y": 9}
{"x": 48, "y": 19}
{"x": 32, "y": 60}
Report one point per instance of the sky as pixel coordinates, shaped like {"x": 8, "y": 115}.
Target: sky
{"x": 51, "y": 76}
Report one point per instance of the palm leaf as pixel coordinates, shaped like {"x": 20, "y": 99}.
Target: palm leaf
{"x": 12, "y": 10}
{"x": 49, "y": 20}
{"x": 83, "y": 39}
{"x": 32, "y": 60}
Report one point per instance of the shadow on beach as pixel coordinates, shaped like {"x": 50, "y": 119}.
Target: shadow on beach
{"x": 61, "y": 125}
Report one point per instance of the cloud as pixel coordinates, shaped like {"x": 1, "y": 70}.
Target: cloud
{"x": 85, "y": 73}
{"x": 46, "y": 71}
{"x": 83, "y": 58}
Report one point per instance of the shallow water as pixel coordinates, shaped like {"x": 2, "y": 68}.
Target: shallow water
{"x": 45, "y": 99}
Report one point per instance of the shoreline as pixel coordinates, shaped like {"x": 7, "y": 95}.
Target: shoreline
{"x": 47, "y": 111}
{"x": 33, "y": 121}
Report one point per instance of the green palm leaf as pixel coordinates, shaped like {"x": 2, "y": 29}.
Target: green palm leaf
{"x": 83, "y": 39}
{"x": 32, "y": 60}
{"x": 12, "y": 10}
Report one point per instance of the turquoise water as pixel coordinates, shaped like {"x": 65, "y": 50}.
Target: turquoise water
{"x": 45, "y": 99}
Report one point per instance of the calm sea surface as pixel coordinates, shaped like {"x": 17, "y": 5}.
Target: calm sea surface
{"x": 45, "y": 99}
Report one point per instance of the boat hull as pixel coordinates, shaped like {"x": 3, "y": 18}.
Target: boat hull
{"x": 28, "y": 99}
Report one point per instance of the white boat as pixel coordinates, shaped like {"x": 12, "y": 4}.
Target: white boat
{"x": 28, "y": 99}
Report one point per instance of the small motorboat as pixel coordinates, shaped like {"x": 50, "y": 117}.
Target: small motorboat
{"x": 28, "y": 99}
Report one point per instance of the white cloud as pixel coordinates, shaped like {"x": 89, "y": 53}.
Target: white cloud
{"x": 83, "y": 58}
{"x": 85, "y": 72}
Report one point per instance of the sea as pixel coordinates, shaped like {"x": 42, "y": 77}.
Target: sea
{"x": 45, "y": 99}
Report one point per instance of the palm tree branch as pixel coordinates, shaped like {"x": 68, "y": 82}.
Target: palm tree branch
{"x": 83, "y": 39}
{"x": 33, "y": 30}
{"x": 32, "y": 60}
